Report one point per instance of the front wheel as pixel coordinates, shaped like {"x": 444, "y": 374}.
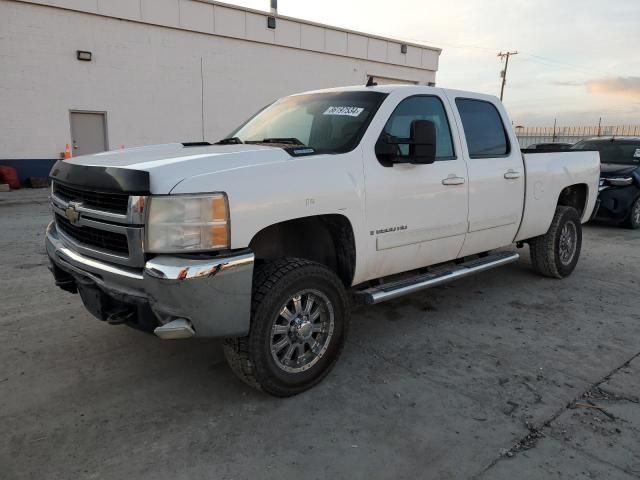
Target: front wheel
{"x": 300, "y": 316}
{"x": 633, "y": 221}
{"x": 555, "y": 254}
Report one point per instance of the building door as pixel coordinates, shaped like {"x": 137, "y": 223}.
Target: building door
{"x": 88, "y": 132}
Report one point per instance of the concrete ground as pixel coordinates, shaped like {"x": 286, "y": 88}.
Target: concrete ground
{"x": 502, "y": 376}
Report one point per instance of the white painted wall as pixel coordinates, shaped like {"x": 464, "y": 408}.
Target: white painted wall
{"x": 147, "y": 77}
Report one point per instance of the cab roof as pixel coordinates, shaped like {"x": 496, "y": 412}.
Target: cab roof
{"x": 400, "y": 87}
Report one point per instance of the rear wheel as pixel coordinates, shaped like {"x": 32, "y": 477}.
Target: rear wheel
{"x": 633, "y": 221}
{"x": 555, "y": 254}
{"x": 299, "y": 320}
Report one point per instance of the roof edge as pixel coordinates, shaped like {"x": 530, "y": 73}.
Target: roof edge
{"x": 321, "y": 25}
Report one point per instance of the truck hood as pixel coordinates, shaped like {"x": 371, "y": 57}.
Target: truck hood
{"x": 169, "y": 164}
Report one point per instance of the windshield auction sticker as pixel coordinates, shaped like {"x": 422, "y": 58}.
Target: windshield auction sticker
{"x": 347, "y": 111}
{"x": 637, "y": 154}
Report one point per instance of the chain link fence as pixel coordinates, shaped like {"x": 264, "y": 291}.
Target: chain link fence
{"x": 531, "y": 135}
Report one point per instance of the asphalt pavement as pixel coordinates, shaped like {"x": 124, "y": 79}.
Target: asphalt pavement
{"x": 505, "y": 375}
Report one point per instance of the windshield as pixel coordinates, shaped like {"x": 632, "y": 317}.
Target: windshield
{"x": 318, "y": 122}
{"x": 622, "y": 152}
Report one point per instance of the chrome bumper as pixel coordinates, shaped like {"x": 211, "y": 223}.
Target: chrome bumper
{"x": 214, "y": 294}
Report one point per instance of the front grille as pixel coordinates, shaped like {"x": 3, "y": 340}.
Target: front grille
{"x": 104, "y": 240}
{"x": 111, "y": 202}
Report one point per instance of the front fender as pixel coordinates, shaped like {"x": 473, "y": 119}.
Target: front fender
{"x": 263, "y": 195}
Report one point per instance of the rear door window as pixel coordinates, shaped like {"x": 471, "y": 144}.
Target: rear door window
{"x": 483, "y": 128}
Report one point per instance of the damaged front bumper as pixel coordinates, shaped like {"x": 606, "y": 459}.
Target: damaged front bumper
{"x": 174, "y": 296}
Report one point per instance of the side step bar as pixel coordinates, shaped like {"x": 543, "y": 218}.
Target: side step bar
{"x": 391, "y": 290}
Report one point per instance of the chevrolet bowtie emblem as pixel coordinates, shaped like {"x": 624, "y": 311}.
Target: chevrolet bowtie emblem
{"x": 71, "y": 212}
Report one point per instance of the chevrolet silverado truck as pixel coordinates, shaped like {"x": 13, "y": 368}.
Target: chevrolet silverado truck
{"x": 322, "y": 199}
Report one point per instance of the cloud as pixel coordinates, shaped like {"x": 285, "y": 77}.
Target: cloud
{"x": 623, "y": 86}
{"x": 567, "y": 83}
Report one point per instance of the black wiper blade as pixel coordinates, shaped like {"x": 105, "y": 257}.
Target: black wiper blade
{"x": 229, "y": 141}
{"x": 285, "y": 141}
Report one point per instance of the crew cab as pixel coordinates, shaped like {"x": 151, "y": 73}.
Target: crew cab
{"x": 357, "y": 194}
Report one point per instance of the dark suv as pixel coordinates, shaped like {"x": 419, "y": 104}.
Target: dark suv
{"x": 551, "y": 147}
{"x": 619, "y": 178}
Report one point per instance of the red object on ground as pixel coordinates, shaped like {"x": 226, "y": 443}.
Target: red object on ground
{"x": 9, "y": 175}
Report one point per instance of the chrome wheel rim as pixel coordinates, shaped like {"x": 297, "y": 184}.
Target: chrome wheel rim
{"x": 635, "y": 215}
{"x": 302, "y": 331}
{"x": 568, "y": 242}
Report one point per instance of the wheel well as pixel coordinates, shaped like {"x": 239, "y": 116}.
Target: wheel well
{"x": 326, "y": 239}
{"x": 574, "y": 196}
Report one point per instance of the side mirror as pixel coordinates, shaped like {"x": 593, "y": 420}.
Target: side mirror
{"x": 422, "y": 145}
{"x": 422, "y": 148}
{"x": 387, "y": 150}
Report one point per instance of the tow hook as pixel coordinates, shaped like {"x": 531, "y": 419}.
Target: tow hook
{"x": 120, "y": 317}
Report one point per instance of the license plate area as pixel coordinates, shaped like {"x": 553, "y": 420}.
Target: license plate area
{"x": 132, "y": 311}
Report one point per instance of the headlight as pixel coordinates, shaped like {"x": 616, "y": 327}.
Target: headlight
{"x": 187, "y": 223}
{"x": 619, "y": 181}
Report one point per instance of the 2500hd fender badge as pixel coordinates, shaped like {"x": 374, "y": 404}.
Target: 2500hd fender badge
{"x": 388, "y": 230}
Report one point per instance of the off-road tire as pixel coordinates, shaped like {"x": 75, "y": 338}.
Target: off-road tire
{"x": 274, "y": 281}
{"x": 545, "y": 249}
{"x": 633, "y": 222}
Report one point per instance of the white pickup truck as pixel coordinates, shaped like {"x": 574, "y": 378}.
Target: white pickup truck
{"x": 323, "y": 198}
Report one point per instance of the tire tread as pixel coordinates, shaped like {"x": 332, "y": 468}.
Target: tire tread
{"x": 542, "y": 249}
{"x": 238, "y": 350}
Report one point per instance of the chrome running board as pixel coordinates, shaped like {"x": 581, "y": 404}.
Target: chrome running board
{"x": 391, "y": 290}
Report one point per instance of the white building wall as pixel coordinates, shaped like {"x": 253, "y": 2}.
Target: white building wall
{"x": 209, "y": 71}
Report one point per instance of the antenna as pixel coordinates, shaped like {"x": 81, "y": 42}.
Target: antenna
{"x": 370, "y": 82}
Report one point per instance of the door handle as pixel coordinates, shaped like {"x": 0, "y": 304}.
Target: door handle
{"x": 453, "y": 180}
{"x": 512, "y": 175}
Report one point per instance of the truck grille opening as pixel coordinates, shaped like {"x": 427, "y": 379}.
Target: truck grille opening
{"x": 111, "y": 202}
{"x": 92, "y": 237}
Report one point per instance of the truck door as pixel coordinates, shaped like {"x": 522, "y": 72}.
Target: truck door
{"x": 416, "y": 215}
{"x": 496, "y": 175}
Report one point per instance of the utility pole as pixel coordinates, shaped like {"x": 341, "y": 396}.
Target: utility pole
{"x": 599, "y": 126}
{"x": 503, "y": 73}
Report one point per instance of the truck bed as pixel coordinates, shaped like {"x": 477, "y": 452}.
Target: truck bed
{"x": 547, "y": 175}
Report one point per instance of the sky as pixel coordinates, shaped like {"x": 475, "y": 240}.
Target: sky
{"x": 578, "y": 61}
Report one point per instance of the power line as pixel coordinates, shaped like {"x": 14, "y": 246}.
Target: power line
{"x": 558, "y": 64}
{"x": 532, "y": 57}
{"x": 503, "y": 73}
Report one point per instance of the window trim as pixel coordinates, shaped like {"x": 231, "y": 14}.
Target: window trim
{"x": 504, "y": 129}
{"x": 446, "y": 116}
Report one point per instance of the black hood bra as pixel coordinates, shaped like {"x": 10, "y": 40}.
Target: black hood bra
{"x": 104, "y": 179}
